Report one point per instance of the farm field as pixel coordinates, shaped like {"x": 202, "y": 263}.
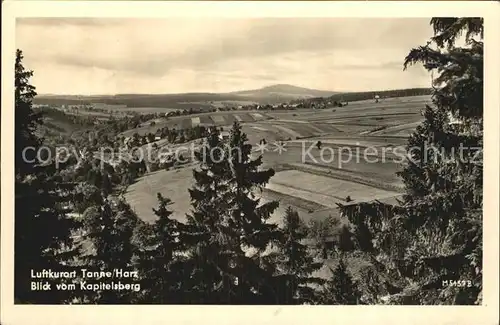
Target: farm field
{"x": 312, "y": 184}
{"x": 323, "y": 190}
{"x": 206, "y": 119}
{"x": 146, "y": 110}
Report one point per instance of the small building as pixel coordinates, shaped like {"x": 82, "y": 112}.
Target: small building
{"x": 224, "y": 135}
{"x": 158, "y": 135}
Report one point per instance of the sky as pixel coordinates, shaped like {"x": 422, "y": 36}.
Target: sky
{"x": 89, "y": 56}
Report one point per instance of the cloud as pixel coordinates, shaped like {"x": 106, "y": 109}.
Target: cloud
{"x": 222, "y": 52}
{"x": 376, "y": 66}
{"x": 58, "y": 22}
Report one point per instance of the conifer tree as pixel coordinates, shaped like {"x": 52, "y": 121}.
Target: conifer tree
{"x": 86, "y": 196}
{"x": 157, "y": 257}
{"x": 296, "y": 263}
{"x": 253, "y": 234}
{"x": 42, "y": 227}
{"x": 206, "y": 230}
{"x": 340, "y": 289}
{"x": 230, "y": 223}
{"x": 109, "y": 229}
{"x": 106, "y": 185}
{"x": 249, "y": 216}
{"x": 26, "y": 120}
{"x": 436, "y": 232}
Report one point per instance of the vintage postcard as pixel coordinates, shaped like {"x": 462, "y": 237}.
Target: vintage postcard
{"x": 238, "y": 162}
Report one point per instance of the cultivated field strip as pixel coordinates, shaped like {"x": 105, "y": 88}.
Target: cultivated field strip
{"x": 218, "y": 119}
{"x": 408, "y": 127}
{"x": 204, "y": 119}
{"x": 348, "y": 176}
{"x": 195, "y": 121}
{"x": 307, "y": 209}
{"x": 322, "y": 199}
{"x": 292, "y": 133}
{"x": 351, "y": 116}
{"x": 319, "y": 189}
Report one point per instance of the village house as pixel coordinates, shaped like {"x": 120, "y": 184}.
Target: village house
{"x": 158, "y": 135}
{"x": 224, "y": 135}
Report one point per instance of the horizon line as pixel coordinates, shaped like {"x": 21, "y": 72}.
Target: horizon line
{"x": 225, "y": 92}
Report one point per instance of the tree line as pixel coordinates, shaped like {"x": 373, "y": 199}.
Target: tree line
{"x": 429, "y": 246}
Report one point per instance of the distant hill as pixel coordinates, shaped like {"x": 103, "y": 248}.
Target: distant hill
{"x": 282, "y": 91}
{"x": 267, "y": 95}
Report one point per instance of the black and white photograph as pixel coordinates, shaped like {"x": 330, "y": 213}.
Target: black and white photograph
{"x": 248, "y": 160}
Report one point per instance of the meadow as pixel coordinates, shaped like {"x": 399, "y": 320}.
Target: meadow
{"x": 311, "y": 186}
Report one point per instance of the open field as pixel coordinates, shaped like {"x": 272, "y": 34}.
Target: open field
{"x": 386, "y": 180}
{"x": 173, "y": 184}
{"x": 146, "y": 110}
{"x": 311, "y": 183}
{"x": 323, "y": 190}
{"x": 205, "y": 119}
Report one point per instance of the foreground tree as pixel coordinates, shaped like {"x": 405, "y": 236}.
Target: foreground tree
{"x": 42, "y": 227}
{"x": 254, "y": 235}
{"x": 206, "y": 230}
{"x": 296, "y": 264}
{"x": 108, "y": 230}
{"x": 340, "y": 289}
{"x": 228, "y": 225}
{"x": 157, "y": 258}
{"x": 434, "y": 237}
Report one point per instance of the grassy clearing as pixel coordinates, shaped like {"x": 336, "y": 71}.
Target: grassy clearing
{"x": 173, "y": 184}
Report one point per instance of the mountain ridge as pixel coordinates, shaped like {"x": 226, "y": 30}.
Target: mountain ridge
{"x": 271, "y": 94}
{"x": 286, "y": 89}
{"x": 270, "y": 88}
